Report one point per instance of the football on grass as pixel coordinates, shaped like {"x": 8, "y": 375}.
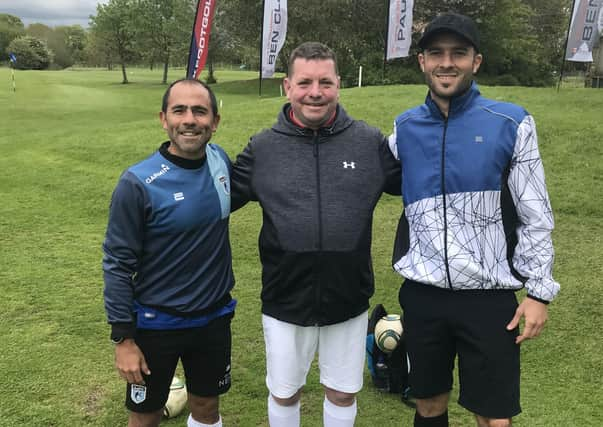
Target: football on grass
{"x": 388, "y": 331}
{"x": 176, "y": 399}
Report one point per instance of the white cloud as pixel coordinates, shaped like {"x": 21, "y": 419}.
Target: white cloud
{"x": 52, "y": 13}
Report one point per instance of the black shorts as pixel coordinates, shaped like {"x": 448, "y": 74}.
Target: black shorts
{"x": 440, "y": 324}
{"x": 205, "y": 356}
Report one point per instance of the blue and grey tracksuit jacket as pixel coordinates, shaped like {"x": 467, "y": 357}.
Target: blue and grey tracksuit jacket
{"x": 166, "y": 245}
{"x": 476, "y": 209}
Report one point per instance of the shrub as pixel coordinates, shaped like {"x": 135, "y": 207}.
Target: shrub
{"x": 31, "y": 52}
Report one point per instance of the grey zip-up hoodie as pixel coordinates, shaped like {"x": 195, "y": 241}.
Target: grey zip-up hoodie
{"x": 317, "y": 190}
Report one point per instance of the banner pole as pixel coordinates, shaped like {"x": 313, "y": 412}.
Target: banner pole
{"x": 387, "y": 8}
{"x": 190, "y": 49}
{"x": 262, "y": 43}
{"x": 569, "y": 25}
{"x": 12, "y": 70}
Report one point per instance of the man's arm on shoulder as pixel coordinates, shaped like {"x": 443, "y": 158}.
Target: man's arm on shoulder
{"x": 240, "y": 179}
{"x": 391, "y": 164}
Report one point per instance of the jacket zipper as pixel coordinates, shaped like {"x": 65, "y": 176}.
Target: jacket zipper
{"x": 443, "y": 180}
{"x": 319, "y": 218}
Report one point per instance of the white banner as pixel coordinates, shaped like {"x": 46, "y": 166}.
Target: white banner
{"x": 274, "y": 33}
{"x": 399, "y": 27}
{"x": 584, "y": 30}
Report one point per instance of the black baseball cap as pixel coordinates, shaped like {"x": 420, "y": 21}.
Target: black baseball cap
{"x": 451, "y": 23}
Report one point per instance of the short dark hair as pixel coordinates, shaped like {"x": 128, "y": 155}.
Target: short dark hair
{"x": 212, "y": 96}
{"x": 311, "y": 50}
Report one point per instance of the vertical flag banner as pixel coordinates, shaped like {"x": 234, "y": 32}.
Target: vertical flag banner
{"x": 274, "y": 32}
{"x": 399, "y": 29}
{"x": 197, "y": 54}
{"x": 584, "y": 30}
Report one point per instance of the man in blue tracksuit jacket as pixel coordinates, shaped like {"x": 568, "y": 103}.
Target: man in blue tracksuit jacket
{"x": 476, "y": 228}
{"x": 167, "y": 264}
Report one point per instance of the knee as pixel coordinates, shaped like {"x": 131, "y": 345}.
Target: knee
{"x": 288, "y": 401}
{"x": 499, "y": 422}
{"x": 340, "y": 398}
{"x": 433, "y": 406}
{"x": 151, "y": 419}
{"x": 204, "y": 409}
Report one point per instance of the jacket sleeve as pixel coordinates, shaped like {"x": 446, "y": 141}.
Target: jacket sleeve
{"x": 240, "y": 179}
{"x": 122, "y": 250}
{"x": 533, "y": 257}
{"x": 391, "y": 168}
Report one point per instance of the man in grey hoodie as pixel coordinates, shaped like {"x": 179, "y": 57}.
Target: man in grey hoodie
{"x": 317, "y": 174}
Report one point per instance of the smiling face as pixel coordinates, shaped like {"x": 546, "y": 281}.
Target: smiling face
{"x": 313, "y": 91}
{"x": 189, "y": 120}
{"x": 449, "y": 63}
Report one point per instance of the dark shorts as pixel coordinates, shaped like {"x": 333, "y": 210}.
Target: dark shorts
{"x": 440, "y": 324}
{"x": 205, "y": 356}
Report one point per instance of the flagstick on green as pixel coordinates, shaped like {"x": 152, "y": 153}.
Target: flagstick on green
{"x": 13, "y": 61}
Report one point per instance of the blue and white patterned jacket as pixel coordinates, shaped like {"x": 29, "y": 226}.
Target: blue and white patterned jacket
{"x": 476, "y": 209}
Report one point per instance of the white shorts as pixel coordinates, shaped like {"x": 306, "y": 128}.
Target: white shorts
{"x": 290, "y": 350}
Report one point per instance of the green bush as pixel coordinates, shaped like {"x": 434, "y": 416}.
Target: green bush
{"x": 31, "y": 52}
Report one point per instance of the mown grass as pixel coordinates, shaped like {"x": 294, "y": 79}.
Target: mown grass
{"x": 66, "y": 136}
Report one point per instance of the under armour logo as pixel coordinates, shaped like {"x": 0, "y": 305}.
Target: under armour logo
{"x": 479, "y": 139}
{"x": 178, "y": 196}
{"x": 349, "y": 165}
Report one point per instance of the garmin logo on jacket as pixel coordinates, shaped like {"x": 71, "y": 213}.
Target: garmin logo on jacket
{"x": 155, "y": 175}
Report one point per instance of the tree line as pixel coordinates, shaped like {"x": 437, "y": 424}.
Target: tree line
{"x": 522, "y": 40}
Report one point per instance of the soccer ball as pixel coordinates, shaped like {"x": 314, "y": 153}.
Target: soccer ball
{"x": 177, "y": 399}
{"x": 388, "y": 331}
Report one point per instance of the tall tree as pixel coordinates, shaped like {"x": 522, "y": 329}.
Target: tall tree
{"x": 114, "y": 25}
{"x": 11, "y": 27}
{"x": 75, "y": 40}
{"x": 163, "y": 28}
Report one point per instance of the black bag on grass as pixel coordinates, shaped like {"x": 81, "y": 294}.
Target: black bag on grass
{"x": 389, "y": 371}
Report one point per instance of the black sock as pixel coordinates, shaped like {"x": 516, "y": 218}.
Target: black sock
{"x": 439, "y": 421}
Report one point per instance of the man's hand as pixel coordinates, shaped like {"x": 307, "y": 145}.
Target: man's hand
{"x": 535, "y": 315}
{"x": 130, "y": 362}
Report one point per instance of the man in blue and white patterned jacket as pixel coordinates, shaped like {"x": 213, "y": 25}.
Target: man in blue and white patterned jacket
{"x": 476, "y": 228}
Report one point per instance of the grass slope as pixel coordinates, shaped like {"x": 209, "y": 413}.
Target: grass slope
{"x": 66, "y": 136}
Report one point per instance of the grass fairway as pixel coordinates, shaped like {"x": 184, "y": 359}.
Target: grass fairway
{"x": 67, "y": 135}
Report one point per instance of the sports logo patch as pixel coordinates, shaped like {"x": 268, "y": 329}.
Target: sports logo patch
{"x": 138, "y": 393}
{"x": 224, "y": 181}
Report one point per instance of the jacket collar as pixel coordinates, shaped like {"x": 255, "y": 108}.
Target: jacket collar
{"x": 457, "y": 103}
{"x": 285, "y": 125}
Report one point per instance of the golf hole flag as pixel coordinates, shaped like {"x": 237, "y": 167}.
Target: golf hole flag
{"x": 585, "y": 29}
{"x": 399, "y": 29}
{"x": 197, "y": 54}
{"x": 274, "y": 32}
{"x": 12, "y": 58}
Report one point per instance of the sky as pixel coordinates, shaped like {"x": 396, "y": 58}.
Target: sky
{"x": 51, "y": 12}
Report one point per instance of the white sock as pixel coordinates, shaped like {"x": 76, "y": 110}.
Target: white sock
{"x": 191, "y": 422}
{"x": 283, "y": 416}
{"x": 338, "y": 416}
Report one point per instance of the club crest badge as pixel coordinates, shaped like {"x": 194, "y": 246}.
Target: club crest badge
{"x": 225, "y": 184}
{"x": 138, "y": 393}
